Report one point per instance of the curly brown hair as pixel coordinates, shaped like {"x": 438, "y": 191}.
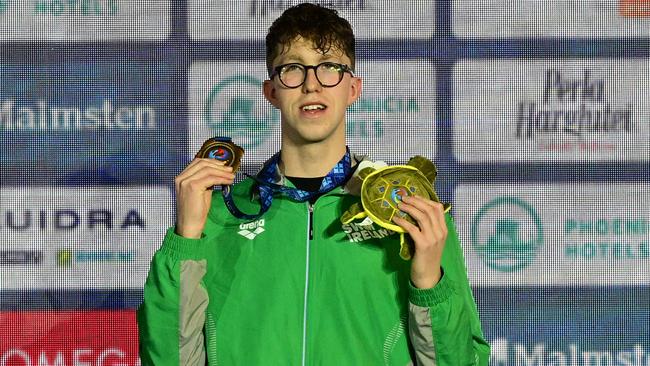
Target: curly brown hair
{"x": 320, "y": 25}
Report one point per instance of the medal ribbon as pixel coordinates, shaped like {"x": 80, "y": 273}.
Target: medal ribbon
{"x": 267, "y": 188}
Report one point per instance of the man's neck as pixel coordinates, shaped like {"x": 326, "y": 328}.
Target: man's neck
{"x": 307, "y": 161}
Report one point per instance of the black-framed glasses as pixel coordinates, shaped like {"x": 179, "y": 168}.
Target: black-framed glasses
{"x": 328, "y": 74}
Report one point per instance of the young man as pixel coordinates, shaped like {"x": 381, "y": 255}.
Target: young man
{"x": 299, "y": 292}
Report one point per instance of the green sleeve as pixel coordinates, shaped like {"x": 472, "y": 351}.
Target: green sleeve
{"x": 172, "y": 316}
{"x": 444, "y": 326}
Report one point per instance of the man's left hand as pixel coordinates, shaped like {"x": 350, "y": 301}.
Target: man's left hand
{"x": 429, "y": 236}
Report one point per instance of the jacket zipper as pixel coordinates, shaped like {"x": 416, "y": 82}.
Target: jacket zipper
{"x": 311, "y": 221}
{"x": 310, "y": 209}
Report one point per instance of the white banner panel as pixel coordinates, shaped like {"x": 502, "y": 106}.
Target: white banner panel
{"x": 574, "y": 110}
{"x": 226, "y": 100}
{"x": 80, "y": 238}
{"x": 560, "y": 234}
{"x": 251, "y": 19}
{"x": 84, "y": 20}
{"x": 551, "y": 18}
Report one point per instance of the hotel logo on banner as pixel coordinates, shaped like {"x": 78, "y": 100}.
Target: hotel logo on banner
{"x": 576, "y": 106}
{"x": 511, "y": 241}
{"x": 233, "y": 108}
{"x": 405, "y": 114}
{"x": 371, "y": 19}
{"x": 547, "y": 111}
{"x": 76, "y": 7}
{"x": 84, "y": 20}
{"x": 590, "y": 233}
{"x": 635, "y": 8}
{"x": 263, "y": 8}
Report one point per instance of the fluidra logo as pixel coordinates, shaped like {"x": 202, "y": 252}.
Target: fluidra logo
{"x": 540, "y": 354}
{"x": 69, "y": 219}
{"x": 252, "y": 229}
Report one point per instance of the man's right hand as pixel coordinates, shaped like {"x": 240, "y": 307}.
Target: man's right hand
{"x": 194, "y": 194}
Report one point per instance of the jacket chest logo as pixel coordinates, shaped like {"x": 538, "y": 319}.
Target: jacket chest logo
{"x": 365, "y": 230}
{"x": 250, "y": 230}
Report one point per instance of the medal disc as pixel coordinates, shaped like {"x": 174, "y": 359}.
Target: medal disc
{"x": 222, "y": 149}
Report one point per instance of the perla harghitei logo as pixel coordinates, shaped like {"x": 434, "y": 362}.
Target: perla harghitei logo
{"x": 506, "y": 234}
{"x": 235, "y": 107}
{"x": 577, "y": 106}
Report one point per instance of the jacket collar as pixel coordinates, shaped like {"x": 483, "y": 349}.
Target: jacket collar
{"x": 352, "y": 186}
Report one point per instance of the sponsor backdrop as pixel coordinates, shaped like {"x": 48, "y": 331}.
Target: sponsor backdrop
{"x": 536, "y": 113}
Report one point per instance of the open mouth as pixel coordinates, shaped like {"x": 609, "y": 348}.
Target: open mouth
{"x": 313, "y": 107}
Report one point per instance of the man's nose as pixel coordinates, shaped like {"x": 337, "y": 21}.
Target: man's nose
{"x": 311, "y": 81}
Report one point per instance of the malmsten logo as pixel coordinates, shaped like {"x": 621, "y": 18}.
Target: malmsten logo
{"x": 505, "y": 353}
{"x": 42, "y": 116}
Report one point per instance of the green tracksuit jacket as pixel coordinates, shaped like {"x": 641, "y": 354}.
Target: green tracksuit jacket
{"x": 265, "y": 293}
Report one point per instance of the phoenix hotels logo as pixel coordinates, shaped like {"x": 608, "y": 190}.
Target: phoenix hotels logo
{"x": 506, "y": 233}
{"x": 235, "y": 107}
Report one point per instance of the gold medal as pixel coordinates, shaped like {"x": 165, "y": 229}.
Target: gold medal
{"x": 222, "y": 149}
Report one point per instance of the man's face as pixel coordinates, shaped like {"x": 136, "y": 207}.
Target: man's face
{"x": 312, "y": 113}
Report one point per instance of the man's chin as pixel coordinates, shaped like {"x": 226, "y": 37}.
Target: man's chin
{"x": 309, "y": 139}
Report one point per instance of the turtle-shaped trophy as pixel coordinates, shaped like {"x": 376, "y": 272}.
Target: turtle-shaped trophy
{"x": 382, "y": 189}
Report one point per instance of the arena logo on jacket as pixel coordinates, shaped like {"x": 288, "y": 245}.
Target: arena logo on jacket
{"x": 250, "y": 230}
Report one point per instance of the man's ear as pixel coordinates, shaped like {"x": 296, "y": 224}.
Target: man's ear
{"x": 355, "y": 90}
{"x": 269, "y": 93}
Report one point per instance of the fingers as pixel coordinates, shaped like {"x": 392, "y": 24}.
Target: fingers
{"x": 200, "y": 164}
{"x": 193, "y": 193}
{"x": 203, "y": 174}
{"x": 413, "y": 230}
{"x": 438, "y": 210}
{"x": 428, "y": 214}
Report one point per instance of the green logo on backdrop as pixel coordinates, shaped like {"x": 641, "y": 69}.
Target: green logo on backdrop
{"x": 234, "y": 108}
{"x": 506, "y": 234}
{"x": 4, "y": 4}
{"x": 367, "y": 115}
{"x": 76, "y": 7}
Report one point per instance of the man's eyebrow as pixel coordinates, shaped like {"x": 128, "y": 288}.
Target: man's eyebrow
{"x": 293, "y": 58}
{"x": 298, "y": 59}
